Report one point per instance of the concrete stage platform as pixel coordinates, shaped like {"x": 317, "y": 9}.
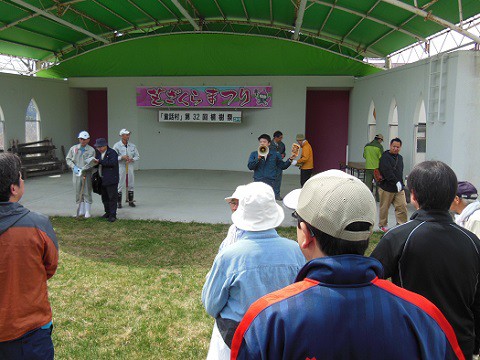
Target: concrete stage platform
{"x": 175, "y": 195}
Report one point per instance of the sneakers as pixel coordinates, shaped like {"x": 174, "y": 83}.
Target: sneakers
{"x": 112, "y": 218}
{"x": 383, "y": 229}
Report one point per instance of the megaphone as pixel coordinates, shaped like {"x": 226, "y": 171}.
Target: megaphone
{"x": 263, "y": 150}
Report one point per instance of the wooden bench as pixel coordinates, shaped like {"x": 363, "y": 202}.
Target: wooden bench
{"x": 38, "y": 158}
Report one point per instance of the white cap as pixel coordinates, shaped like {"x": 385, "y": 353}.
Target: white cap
{"x": 124, "y": 132}
{"x": 257, "y": 209}
{"x": 332, "y": 200}
{"x": 84, "y": 135}
{"x": 237, "y": 194}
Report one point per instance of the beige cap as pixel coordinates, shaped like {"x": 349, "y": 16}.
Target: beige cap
{"x": 379, "y": 136}
{"x": 300, "y": 137}
{"x": 332, "y": 200}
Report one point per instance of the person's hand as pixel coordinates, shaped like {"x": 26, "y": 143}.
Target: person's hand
{"x": 77, "y": 171}
{"x": 399, "y": 186}
{"x": 125, "y": 157}
{"x": 96, "y": 160}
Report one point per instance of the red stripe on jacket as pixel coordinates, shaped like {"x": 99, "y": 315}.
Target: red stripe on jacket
{"x": 427, "y": 306}
{"x": 262, "y": 303}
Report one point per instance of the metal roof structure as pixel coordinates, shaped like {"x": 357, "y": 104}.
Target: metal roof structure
{"x": 104, "y": 37}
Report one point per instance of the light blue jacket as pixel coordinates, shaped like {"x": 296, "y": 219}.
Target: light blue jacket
{"x": 258, "y": 263}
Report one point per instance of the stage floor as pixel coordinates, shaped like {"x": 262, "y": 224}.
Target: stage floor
{"x": 175, "y": 195}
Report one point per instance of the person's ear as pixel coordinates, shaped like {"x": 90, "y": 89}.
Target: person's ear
{"x": 308, "y": 236}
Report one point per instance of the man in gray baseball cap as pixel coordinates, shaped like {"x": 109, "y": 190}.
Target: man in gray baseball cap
{"x": 337, "y": 301}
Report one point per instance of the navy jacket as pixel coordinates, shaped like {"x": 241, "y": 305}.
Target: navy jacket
{"x": 266, "y": 169}
{"x": 340, "y": 309}
{"x": 109, "y": 167}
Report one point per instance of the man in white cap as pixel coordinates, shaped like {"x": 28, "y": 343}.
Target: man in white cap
{"x": 127, "y": 155}
{"x": 260, "y": 261}
{"x": 338, "y": 308}
{"x": 80, "y": 159}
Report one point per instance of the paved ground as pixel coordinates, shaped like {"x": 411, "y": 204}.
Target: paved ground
{"x": 176, "y": 195}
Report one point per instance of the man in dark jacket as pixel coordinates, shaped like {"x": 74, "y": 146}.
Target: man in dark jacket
{"x": 28, "y": 258}
{"x": 107, "y": 160}
{"x": 338, "y": 308}
{"x": 278, "y": 146}
{"x": 265, "y": 166}
{"x": 391, "y": 188}
{"x": 433, "y": 256}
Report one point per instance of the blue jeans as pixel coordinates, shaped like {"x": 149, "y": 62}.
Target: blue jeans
{"x": 34, "y": 345}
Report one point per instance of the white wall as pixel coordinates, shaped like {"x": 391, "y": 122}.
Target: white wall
{"x": 62, "y": 109}
{"x": 454, "y": 141}
{"x": 207, "y": 146}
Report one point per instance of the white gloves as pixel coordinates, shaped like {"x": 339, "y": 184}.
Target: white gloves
{"x": 294, "y": 162}
{"x": 399, "y": 186}
{"x": 77, "y": 171}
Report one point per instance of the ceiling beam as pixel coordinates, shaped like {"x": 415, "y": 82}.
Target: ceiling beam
{"x": 299, "y": 19}
{"x": 115, "y": 14}
{"x": 362, "y": 15}
{"x": 220, "y": 9}
{"x": 245, "y": 11}
{"x": 433, "y": 18}
{"x": 143, "y": 11}
{"x": 60, "y": 21}
{"x": 186, "y": 14}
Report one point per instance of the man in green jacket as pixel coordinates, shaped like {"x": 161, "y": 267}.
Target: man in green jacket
{"x": 372, "y": 153}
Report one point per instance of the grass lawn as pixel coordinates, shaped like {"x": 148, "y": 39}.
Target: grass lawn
{"x": 132, "y": 289}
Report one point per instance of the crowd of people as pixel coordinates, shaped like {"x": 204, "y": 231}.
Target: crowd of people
{"x": 271, "y": 297}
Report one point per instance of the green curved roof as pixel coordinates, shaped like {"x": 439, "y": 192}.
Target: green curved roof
{"x": 59, "y": 30}
{"x": 208, "y": 54}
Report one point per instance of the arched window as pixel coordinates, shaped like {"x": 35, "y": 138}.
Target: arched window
{"x": 372, "y": 122}
{"x": 32, "y": 123}
{"x": 420, "y": 133}
{"x": 393, "y": 121}
{"x": 2, "y": 130}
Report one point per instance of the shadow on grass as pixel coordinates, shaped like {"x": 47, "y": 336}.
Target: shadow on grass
{"x": 148, "y": 242}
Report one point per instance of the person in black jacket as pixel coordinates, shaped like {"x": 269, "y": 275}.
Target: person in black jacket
{"x": 107, "y": 160}
{"x": 433, "y": 256}
{"x": 391, "y": 187}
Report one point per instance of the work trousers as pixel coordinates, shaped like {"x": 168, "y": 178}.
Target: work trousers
{"x": 278, "y": 182}
{"x": 109, "y": 199}
{"x": 369, "y": 178}
{"x": 34, "y": 345}
{"x": 87, "y": 189}
{"x": 122, "y": 172}
{"x": 399, "y": 202}
{"x": 305, "y": 175}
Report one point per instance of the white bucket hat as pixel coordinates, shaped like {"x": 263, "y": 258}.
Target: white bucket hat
{"x": 123, "y": 132}
{"x": 84, "y": 135}
{"x": 257, "y": 209}
{"x": 237, "y": 194}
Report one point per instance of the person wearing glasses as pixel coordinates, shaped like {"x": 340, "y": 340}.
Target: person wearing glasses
{"x": 232, "y": 230}
{"x": 338, "y": 308}
{"x": 28, "y": 258}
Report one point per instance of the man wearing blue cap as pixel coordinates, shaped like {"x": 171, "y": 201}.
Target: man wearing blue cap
{"x": 107, "y": 160}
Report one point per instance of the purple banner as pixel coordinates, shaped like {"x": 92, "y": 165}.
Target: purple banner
{"x": 205, "y": 97}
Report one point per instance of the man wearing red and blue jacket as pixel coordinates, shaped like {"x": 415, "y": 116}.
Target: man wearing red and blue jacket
{"x": 338, "y": 307}
{"x": 28, "y": 258}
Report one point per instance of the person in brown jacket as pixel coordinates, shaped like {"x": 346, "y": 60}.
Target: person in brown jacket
{"x": 28, "y": 258}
